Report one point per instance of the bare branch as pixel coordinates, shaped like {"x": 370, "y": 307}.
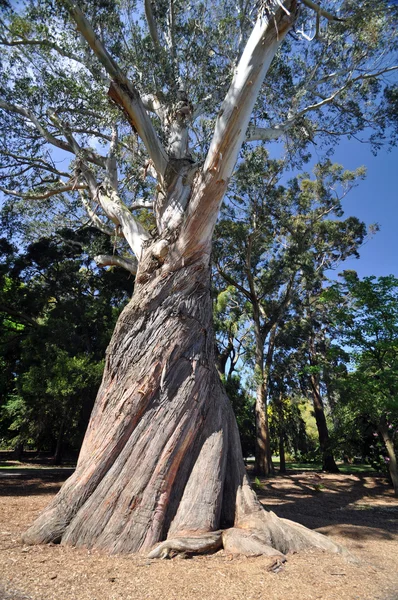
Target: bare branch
{"x": 52, "y": 46}
{"x": 94, "y": 218}
{"x": 45, "y": 195}
{"x": 28, "y": 114}
{"x": 105, "y": 260}
{"x": 233, "y": 119}
{"x": 153, "y": 30}
{"x": 49, "y": 137}
{"x": 111, "y": 163}
{"x": 115, "y": 209}
{"x": 32, "y": 163}
{"x": 122, "y": 91}
{"x": 321, "y": 11}
{"x": 233, "y": 282}
{"x": 275, "y": 131}
{"x": 142, "y": 204}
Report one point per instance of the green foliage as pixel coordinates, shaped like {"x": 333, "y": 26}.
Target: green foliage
{"x": 57, "y": 314}
{"x": 287, "y": 419}
{"x": 366, "y": 313}
{"x": 243, "y": 406}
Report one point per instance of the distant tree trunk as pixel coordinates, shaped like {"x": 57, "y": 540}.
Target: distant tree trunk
{"x": 57, "y": 458}
{"x": 392, "y": 463}
{"x": 18, "y": 451}
{"x": 281, "y": 429}
{"x": 263, "y": 457}
{"x": 282, "y": 459}
{"x": 263, "y": 463}
{"x": 328, "y": 462}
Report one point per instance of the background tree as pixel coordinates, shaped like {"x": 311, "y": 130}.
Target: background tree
{"x": 368, "y": 317}
{"x": 57, "y": 316}
{"x": 274, "y": 243}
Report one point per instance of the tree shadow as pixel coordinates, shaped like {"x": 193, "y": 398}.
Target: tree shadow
{"x": 32, "y": 482}
{"x": 356, "y": 506}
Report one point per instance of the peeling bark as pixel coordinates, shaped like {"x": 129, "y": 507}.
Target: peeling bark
{"x": 161, "y": 462}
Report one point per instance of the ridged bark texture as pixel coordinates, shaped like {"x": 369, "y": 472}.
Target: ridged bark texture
{"x": 161, "y": 460}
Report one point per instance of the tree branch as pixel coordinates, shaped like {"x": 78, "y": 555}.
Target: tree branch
{"x": 51, "y": 139}
{"x": 45, "y": 195}
{"x": 321, "y": 11}
{"x": 142, "y": 204}
{"x": 273, "y": 132}
{"x": 115, "y": 209}
{"x": 94, "y": 218}
{"x": 122, "y": 91}
{"x": 233, "y": 282}
{"x": 32, "y": 163}
{"x": 52, "y": 46}
{"x": 105, "y": 260}
{"x": 28, "y": 114}
{"x": 256, "y": 134}
{"x": 231, "y": 125}
{"x": 153, "y": 30}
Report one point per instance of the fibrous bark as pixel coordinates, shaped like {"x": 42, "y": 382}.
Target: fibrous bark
{"x": 161, "y": 466}
{"x": 161, "y": 461}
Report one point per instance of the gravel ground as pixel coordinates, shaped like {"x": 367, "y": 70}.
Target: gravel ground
{"x": 359, "y": 512}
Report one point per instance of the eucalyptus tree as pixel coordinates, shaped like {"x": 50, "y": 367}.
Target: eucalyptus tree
{"x": 168, "y": 96}
{"x": 366, "y": 312}
{"x": 273, "y": 242}
{"x": 287, "y": 427}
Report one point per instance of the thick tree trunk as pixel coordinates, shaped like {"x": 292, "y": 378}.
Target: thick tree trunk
{"x": 161, "y": 460}
{"x": 392, "y": 459}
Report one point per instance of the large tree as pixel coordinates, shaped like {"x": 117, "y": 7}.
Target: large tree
{"x": 274, "y": 243}
{"x": 128, "y": 95}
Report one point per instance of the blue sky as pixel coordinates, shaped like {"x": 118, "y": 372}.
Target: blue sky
{"x": 375, "y": 200}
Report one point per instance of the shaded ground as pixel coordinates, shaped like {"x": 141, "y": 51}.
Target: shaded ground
{"x": 358, "y": 511}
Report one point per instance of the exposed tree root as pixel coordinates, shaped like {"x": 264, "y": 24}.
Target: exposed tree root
{"x": 267, "y": 537}
{"x": 248, "y": 543}
{"x": 198, "y": 544}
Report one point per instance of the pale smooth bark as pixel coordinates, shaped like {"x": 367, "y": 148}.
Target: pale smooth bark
{"x": 231, "y": 125}
{"x": 106, "y": 260}
{"x": 122, "y": 91}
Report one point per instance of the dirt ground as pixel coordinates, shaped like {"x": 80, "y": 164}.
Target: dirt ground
{"x": 358, "y": 511}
